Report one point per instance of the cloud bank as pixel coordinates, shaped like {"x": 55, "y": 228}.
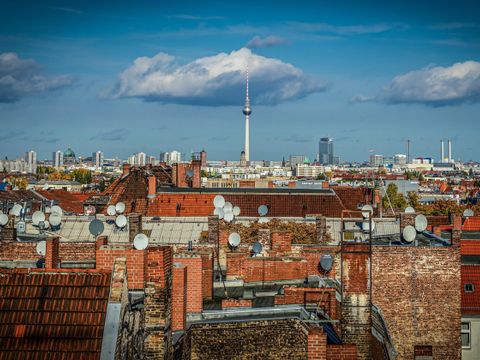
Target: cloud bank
{"x": 263, "y": 42}
{"x": 433, "y": 85}
{"x": 215, "y": 80}
{"x": 23, "y": 77}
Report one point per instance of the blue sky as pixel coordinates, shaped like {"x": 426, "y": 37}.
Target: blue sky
{"x": 170, "y": 75}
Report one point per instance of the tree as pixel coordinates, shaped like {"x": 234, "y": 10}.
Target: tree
{"x": 321, "y": 176}
{"x": 83, "y": 176}
{"x": 397, "y": 200}
{"x": 413, "y": 199}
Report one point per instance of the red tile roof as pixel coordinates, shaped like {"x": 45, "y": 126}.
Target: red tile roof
{"x": 470, "y": 247}
{"x": 472, "y": 223}
{"x": 471, "y": 300}
{"x": 68, "y": 201}
{"x": 52, "y": 315}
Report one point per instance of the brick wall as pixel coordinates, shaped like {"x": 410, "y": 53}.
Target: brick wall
{"x": 193, "y": 264}
{"x": 342, "y": 352}
{"x": 418, "y": 292}
{"x": 265, "y": 268}
{"x": 51, "y": 253}
{"x": 324, "y": 297}
{"x": 179, "y": 296}
{"x": 235, "y": 303}
{"x": 76, "y": 251}
{"x": 282, "y": 241}
{"x": 317, "y": 344}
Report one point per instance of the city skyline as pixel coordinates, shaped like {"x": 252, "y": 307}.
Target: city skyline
{"x": 92, "y": 71}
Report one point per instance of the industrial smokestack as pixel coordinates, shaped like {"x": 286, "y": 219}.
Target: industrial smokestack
{"x": 408, "y": 151}
{"x": 449, "y": 150}
{"x": 442, "y": 151}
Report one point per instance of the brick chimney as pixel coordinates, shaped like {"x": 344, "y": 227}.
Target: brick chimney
{"x": 316, "y": 344}
{"x": 134, "y": 225}
{"x": 406, "y": 220}
{"x": 264, "y": 238}
{"x": 126, "y": 169}
{"x": 179, "y": 297}
{"x": 321, "y": 228}
{"x": 152, "y": 186}
{"x": 51, "y": 253}
{"x": 9, "y": 232}
{"x": 213, "y": 225}
{"x": 456, "y": 231}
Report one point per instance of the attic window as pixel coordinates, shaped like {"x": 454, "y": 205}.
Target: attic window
{"x": 469, "y": 287}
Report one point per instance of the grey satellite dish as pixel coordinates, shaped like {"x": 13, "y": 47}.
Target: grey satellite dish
{"x": 326, "y": 262}
{"x": 41, "y": 248}
{"x": 16, "y": 210}
{"x": 96, "y": 227}
{"x": 121, "y": 221}
{"x": 3, "y": 219}
{"x": 409, "y": 233}
{"x": 57, "y": 210}
{"x": 468, "y": 213}
{"x": 189, "y": 173}
{"x": 263, "y": 220}
{"x": 228, "y": 207}
{"x": 21, "y": 226}
{"x": 236, "y": 210}
{"x": 366, "y": 211}
{"x": 37, "y": 217}
{"x": 409, "y": 210}
{"x": 111, "y": 210}
{"x": 257, "y": 247}
{"x": 120, "y": 207}
{"x": 228, "y": 217}
{"x": 55, "y": 219}
{"x": 234, "y": 240}
{"x": 421, "y": 223}
{"x": 219, "y": 201}
{"x": 366, "y": 226}
{"x": 219, "y": 212}
{"x": 140, "y": 242}
{"x": 263, "y": 210}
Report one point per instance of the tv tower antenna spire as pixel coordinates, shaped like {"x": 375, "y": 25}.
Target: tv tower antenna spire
{"x": 247, "y": 111}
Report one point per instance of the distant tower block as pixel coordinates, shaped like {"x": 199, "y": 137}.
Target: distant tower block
{"x": 247, "y": 111}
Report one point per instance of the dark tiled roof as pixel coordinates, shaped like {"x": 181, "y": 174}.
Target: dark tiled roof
{"x": 52, "y": 315}
{"x": 471, "y": 300}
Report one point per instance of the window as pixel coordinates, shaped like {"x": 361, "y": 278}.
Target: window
{"x": 469, "y": 287}
{"x": 423, "y": 352}
{"x": 465, "y": 335}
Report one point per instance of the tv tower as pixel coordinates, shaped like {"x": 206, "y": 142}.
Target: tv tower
{"x": 247, "y": 111}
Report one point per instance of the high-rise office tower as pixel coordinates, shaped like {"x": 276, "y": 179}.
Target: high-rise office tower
{"x": 57, "y": 158}
{"x": 31, "y": 159}
{"x": 325, "y": 151}
{"x": 97, "y": 158}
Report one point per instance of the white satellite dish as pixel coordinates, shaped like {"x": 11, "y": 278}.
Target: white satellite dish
{"x": 41, "y": 248}
{"x": 409, "y": 233}
{"x": 140, "y": 242}
{"x": 236, "y": 210}
{"x": 121, "y": 221}
{"x": 21, "y": 226}
{"x": 409, "y": 210}
{"x": 263, "y": 210}
{"x": 55, "y": 219}
{"x": 263, "y": 220}
{"x": 219, "y": 212}
{"x": 3, "y": 219}
{"x": 219, "y": 201}
{"x": 234, "y": 239}
{"x": 48, "y": 209}
{"x": 366, "y": 211}
{"x": 111, "y": 210}
{"x": 120, "y": 207}
{"x": 228, "y": 207}
{"x": 468, "y": 213}
{"x": 37, "y": 217}
{"x": 228, "y": 217}
{"x": 46, "y": 224}
{"x": 366, "y": 225}
{"x": 57, "y": 210}
{"x": 16, "y": 209}
{"x": 421, "y": 223}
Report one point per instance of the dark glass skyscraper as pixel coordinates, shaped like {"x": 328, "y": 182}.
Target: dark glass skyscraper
{"x": 325, "y": 151}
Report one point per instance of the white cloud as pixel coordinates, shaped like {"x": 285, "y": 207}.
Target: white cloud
{"x": 22, "y": 77}
{"x": 433, "y": 85}
{"x": 263, "y": 42}
{"x": 215, "y": 80}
